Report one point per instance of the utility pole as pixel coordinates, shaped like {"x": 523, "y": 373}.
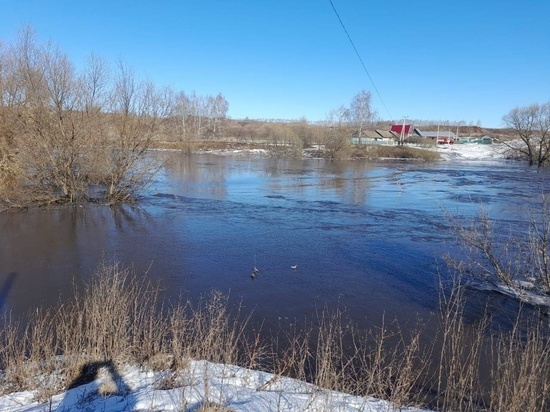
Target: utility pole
{"x": 402, "y": 134}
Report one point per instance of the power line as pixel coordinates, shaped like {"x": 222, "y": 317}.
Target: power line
{"x": 360, "y": 59}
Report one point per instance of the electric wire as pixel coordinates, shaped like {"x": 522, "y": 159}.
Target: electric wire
{"x": 360, "y": 59}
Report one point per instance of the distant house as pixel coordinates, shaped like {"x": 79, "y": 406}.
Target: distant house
{"x": 373, "y": 137}
{"x": 475, "y": 140}
{"x": 398, "y": 129}
{"x": 441, "y": 136}
{"x": 387, "y": 135}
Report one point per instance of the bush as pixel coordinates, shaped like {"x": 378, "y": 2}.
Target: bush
{"x": 394, "y": 152}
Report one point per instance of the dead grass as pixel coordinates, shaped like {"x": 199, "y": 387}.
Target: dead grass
{"x": 117, "y": 318}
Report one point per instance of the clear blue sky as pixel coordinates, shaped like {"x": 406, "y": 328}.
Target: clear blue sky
{"x": 456, "y": 60}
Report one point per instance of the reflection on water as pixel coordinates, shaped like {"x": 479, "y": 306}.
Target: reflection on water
{"x": 365, "y": 236}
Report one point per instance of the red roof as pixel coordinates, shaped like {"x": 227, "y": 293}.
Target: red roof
{"x": 396, "y": 128}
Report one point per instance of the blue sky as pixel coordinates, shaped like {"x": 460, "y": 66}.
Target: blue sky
{"x": 456, "y": 60}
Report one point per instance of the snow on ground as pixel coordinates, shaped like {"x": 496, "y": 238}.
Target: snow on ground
{"x": 234, "y": 388}
{"x": 448, "y": 152}
{"x": 472, "y": 151}
{"x": 466, "y": 151}
{"x": 523, "y": 291}
{"x": 246, "y": 152}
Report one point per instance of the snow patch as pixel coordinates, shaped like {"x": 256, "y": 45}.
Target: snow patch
{"x": 235, "y": 388}
{"x": 473, "y": 151}
{"x": 523, "y": 291}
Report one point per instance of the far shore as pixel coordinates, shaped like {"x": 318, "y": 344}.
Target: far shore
{"x": 495, "y": 151}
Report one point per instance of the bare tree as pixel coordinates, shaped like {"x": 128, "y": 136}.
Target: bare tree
{"x": 10, "y": 98}
{"x": 51, "y": 135}
{"x": 361, "y": 112}
{"x": 336, "y": 135}
{"x": 64, "y": 132}
{"x": 220, "y": 106}
{"x": 282, "y": 140}
{"x": 517, "y": 265}
{"x": 198, "y": 110}
{"x": 532, "y": 124}
{"x": 183, "y": 112}
{"x": 138, "y": 110}
{"x": 304, "y": 131}
{"x": 94, "y": 83}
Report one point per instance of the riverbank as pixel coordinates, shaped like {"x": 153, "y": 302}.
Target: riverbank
{"x": 202, "y": 386}
{"x": 110, "y": 349}
{"x": 495, "y": 151}
{"x": 469, "y": 152}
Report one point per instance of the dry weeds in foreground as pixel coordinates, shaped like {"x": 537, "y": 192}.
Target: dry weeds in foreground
{"x": 118, "y": 319}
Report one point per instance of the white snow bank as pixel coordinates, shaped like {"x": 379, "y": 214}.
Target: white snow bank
{"x": 241, "y": 152}
{"x": 472, "y": 151}
{"x": 523, "y": 291}
{"x": 237, "y": 389}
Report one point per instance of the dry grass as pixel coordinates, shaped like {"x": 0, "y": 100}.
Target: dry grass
{"x": 118, "y": 318}
{"x": 521, "y": 375}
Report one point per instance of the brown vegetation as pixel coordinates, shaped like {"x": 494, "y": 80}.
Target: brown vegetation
{"x": 518, "y": 265}
{"x": 532, "y": 126}
{"x": 118, "y": 319}
{"x": 68, "y": 136}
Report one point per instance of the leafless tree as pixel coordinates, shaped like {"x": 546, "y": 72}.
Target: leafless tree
{"x": 218, "y": 107}
{"x": 94, "y": 85}
{"x": 68, "y": 133}
{"x": 200, "y": 116}
{"x": 336, "y": 135}
{"x": 513, "y": 265}
{"x": 282, "y": 140}
{"x": 198, "y": 108}
{"x": 184, "y": 113}
{"x": 304, "y": 131}
{"x": 51, "y": 134}
{"x": 9, "y": 99}
{"x": 532, "y": 124}
{"x": 138, "y": 110}
{"x": 361, "y": 112}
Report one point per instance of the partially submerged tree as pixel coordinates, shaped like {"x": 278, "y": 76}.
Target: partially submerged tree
{"x": 337, "y": 137}
{"x": 532, "y": 124}
{"x": 68, "y": 135}
{"x": 282, "y": 140}
{"x": 49, "y": 134}
{"x": 138, "y": 110}
{"x": 517, "y": 265}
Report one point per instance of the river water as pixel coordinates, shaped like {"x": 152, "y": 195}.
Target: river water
{"x": 366, "y": 236}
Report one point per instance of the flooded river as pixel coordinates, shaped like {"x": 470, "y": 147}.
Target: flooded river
{"x": 366, "y": 236}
